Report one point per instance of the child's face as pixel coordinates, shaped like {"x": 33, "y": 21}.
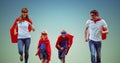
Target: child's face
{"x": 43, "y": 36}
{"x": 63, "y": 34}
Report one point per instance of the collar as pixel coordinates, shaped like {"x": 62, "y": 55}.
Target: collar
{"x": 98, "y": 19}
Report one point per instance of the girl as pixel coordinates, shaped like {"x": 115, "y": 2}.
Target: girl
{"x": 44, "y": 49}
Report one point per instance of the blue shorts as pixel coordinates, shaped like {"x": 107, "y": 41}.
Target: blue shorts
{"x": 61, "y": 53}
{"x": 43, "y": 54}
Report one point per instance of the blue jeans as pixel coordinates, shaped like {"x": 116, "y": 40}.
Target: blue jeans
{"x": 24, "y": 43}
{"x": 95, "y": 48}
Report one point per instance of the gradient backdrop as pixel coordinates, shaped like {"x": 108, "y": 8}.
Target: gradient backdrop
{"x": 54, "y": 15}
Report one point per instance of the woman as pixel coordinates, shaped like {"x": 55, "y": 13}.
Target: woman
{"x": 21, "y": 30}
{"x": 44, "y": 48}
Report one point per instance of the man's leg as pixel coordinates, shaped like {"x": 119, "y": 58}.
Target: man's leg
{"x": 98, "y": 50}
{"x": 92, "y": 51}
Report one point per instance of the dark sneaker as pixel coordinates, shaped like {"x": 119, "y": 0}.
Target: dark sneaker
{"x": 21, "y": 57}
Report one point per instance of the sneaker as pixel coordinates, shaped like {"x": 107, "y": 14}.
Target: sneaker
{"x": 21, "y": 57}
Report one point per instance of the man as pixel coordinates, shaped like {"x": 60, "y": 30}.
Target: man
{"x": 94, "y": 35}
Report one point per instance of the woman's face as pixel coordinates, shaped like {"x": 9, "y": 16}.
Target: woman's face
{"x": 24, "y": 14}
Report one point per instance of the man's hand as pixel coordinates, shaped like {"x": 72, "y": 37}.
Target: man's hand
{"x": 86, "y": 39}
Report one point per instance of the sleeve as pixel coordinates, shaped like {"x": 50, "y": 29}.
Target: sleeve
{"x": 87, "y": 23}
{"x": 30, "y": 21}
{"x": 104, "y": 24}
{"x": 70, "y": 42}
{"x": 29, "y": 28}
{"x": 57, "y": 43}
{"x": 70, "y": 37}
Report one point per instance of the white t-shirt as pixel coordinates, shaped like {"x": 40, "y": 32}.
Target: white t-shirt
{"x": 95, "y": 28}
{"x": 23, "y": 30}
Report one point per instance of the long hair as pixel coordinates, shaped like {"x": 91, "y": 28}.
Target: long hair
{"x": 24, "y": 10}
{"x": 44, "y": 33}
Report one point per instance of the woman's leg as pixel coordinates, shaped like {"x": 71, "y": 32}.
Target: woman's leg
{"x": 27, "y": 44}
{"x": 20, "y": 48}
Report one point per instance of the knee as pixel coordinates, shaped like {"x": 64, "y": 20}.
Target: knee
{"x": 92, "y": 56}
{"x": 26, "y": 52}
{"x": 20, "y": 52}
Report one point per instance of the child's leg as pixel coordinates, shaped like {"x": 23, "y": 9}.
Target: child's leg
{"x": 45, "y": 61}
{"x": 42, "y": 60}
{"x": 63, "y": 60}
{"x": 62, "y": 54}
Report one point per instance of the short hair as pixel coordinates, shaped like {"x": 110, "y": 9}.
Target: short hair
{"x": 95, "y": 12}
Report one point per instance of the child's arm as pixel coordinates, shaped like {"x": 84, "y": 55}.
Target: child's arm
{"x": 57, "y": 44}
{"x": 37, "y": 51}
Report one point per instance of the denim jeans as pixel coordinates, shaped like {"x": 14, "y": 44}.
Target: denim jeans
{"x": 24, "y": 44}
{"x": 95, "y": 48}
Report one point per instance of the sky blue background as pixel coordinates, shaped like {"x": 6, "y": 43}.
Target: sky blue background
{"x": 54, "y": 15}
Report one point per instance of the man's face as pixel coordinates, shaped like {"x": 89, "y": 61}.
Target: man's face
{"x": 93, "y": 16}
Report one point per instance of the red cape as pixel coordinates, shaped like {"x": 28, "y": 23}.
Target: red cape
{"x": 14, "y": 38}
{"x": 70, "y": 41}
{"x": 104, "y": 36}
{"x": 48, "y": 48}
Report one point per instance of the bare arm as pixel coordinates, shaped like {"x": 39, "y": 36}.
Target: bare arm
{"x": 86, "y": 34}
{"x": 37, "y": 52}
{"x": 105, "y": 31}
{"x": 32, "y": 27}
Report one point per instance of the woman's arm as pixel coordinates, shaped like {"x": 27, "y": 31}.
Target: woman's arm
{"x": 32, "y": 27}
{"x": 15, "y": 30}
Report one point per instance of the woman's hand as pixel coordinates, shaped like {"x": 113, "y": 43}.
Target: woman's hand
{"x": 15, "y": 33}
{"x": 36, "y": 54}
